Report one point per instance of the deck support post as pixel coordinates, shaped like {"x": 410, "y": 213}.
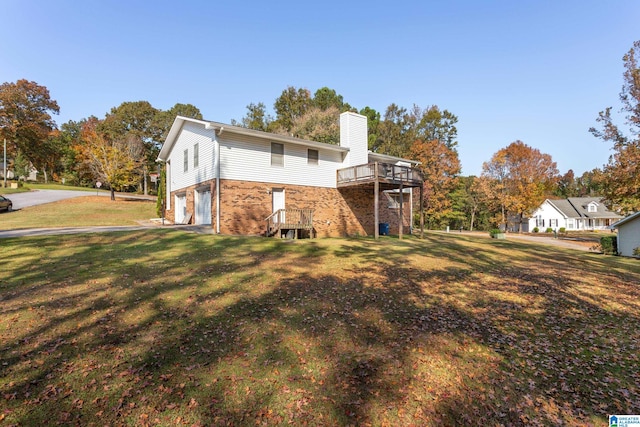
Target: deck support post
{"x": 401, "y": 213}
{"x": 421, "y": 212}
{"x": 376, "y": 191}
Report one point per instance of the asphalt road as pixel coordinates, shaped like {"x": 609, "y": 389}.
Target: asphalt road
{"x": 39, "y": 197}
{"x": 67, "y": 230}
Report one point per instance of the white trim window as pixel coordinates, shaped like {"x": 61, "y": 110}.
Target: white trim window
{"x": 312, "y": 156}
{"x": 277, "y": 154}
{"x": 186, "y": 160}
{"x": 196, "y": 155}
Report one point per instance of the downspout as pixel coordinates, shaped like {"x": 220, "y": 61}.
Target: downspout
{"x": 168, "y": 186}
{"x": 410, "y": 210}
{"x": 216, "y": 148}
{"x": 218, "y": 185}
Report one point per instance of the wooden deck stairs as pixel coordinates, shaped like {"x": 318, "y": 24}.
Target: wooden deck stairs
{"x": 289, "y": 222}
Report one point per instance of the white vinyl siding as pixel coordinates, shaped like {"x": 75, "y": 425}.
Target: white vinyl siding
{"x": 629, "y": 237}
{"x": 353, "y": 134}
{"x": 190, "y": 135}
{"x": 546, "y": 216}
{"x": 249, "y": 159}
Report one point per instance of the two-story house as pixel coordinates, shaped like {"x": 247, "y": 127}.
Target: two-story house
{"x": 243, "y": 181}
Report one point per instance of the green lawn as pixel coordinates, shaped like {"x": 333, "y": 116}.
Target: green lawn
{"x": 163, "y": 327}
{"x": 79, "y": 212}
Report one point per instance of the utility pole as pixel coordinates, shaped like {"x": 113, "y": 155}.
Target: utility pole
{"x": 5, "y": 163}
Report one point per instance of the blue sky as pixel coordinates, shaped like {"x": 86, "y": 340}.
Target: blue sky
{"x": 535, "y": 71}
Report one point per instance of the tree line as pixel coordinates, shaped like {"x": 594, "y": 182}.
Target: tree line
{"x": 120, "y": 149}
{"x": 515, "y": 181}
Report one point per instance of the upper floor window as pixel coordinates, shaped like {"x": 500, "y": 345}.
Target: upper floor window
{"x": 312, "y": 157}
{"x": 186, "y": 160}
{"x": 592, "y": 207}
{"x": 277, "y": 154}
{"x": 196, "y": 155}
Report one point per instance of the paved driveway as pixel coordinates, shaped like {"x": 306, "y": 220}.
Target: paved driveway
{"x": 541, "y": 238}
{"x": 552, "y": 241}
{"x": 39, "y": 197}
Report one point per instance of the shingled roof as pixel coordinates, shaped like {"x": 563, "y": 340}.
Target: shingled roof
{"x": 577, "y": 207}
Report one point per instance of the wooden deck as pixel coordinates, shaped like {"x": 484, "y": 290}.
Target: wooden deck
{"x": 384, "y": 176}
{"x": 283, "y": 221}
{"x": 382, "y": 173}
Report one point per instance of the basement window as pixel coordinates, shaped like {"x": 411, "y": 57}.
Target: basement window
{"x": 393, "y": 199}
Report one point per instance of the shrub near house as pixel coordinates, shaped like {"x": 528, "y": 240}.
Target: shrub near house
{"x": 609, "y": 245}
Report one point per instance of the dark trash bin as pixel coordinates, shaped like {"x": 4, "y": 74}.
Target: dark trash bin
{"x": 383, "y": 229}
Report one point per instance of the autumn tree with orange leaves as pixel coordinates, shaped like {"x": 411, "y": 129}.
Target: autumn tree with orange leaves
{"x": 113, "y": 160}
{"x": 440, "y": 166}
{"x": 517, "y": 179}
{"x": 621, "y": 184}
{"x": 26, "y": 122}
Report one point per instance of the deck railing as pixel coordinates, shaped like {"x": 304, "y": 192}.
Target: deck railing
{"x": 289, "y": 219}
{"x": 379, "y": 171}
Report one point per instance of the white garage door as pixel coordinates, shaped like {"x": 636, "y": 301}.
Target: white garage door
{"x": 203, "y": 207}
{"x": 181, "y": 208}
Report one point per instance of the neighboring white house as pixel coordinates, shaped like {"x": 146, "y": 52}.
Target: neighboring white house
{"x": 573, "y": 213}
{"x": 628, "y": 234}
{"x": 33, "y": 173}
{"x": 238, "y": 179}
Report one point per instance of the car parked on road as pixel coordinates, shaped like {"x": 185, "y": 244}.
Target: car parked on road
{"x": 5, "y": 204}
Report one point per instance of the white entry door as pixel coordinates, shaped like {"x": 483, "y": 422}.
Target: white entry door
{"x": 180, "y": 208}
{"x": 203, "y": 207}
{"x": 278, "y": 200}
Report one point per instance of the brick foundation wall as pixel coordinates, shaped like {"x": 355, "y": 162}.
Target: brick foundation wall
{"x": 344, "y": 212}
